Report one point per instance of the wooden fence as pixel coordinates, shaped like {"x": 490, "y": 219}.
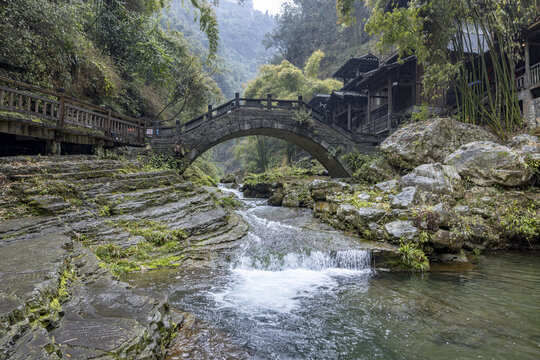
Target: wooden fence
{"x": 56, "y": 108}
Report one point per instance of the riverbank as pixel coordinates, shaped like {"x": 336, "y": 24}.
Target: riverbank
{"x": 70, "y": 224}
{"x": 298, "y": 289}
{"x": 440, "y": 190}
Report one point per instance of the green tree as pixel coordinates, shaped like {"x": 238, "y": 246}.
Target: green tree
{"x": 109, "y": 52}
{"x": 307, "y": 25}
{"x": 286, "y": 81}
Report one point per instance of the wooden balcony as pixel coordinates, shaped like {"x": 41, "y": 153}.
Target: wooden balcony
{"x": 534, "y": 78}
{"x": 534, "y": 73}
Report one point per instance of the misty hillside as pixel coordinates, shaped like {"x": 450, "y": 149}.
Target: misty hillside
{"x": 241, "y": 31}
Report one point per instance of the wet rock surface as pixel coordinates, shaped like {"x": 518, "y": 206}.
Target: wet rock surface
{"x": 430, "y": 141}
{"x": 486, "y": 163}
{"x": 57, "y": 299}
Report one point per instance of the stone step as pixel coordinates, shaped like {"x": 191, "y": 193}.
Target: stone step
{"x": 53, "y": 170}
{"x": 125, "y": 183}
{"x": 143, "y": 199}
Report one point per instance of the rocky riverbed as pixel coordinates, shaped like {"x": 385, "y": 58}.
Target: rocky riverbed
{"x": 69, "y": 224}
{"x": 440, "y": 190}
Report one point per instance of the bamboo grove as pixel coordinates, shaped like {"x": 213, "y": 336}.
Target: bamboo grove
{"x": 469, "y": 46}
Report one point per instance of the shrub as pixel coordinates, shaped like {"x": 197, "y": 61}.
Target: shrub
{"x": 359, "y": 164}
{"x": 412, "y": 256}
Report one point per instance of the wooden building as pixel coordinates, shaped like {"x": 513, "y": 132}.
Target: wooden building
{"x": 376, "y": 96}
{"x": 528, "y": 76}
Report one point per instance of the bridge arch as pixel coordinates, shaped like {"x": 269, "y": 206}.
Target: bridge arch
{"x": 335, "y": 167}
{"x": 323, "y": 141}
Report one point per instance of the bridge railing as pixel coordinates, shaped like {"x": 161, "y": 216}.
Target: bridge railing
{"x": 214, "y": 113}
{"x": 269, "y": 104}
{"x": 57, "y": 109}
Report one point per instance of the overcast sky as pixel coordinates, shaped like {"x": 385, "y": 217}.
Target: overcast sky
{"x": 273, "y": 6}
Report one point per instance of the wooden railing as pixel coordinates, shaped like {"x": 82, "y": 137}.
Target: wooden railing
{"x": 57, "y": 109}
{"x": 520, "y": 82}
{"x": 534, "y": 72}
{"x": 379, "y": 118}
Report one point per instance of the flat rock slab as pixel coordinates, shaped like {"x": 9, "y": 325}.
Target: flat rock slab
{"x": 27, "y": 264}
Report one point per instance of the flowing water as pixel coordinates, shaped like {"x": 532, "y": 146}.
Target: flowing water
{"x": 297, "y": 289}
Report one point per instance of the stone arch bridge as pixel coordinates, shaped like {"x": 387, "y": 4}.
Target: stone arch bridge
{"x": 240, "y": 117}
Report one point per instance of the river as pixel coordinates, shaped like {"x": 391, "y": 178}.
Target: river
{"x": 298, "y": 289}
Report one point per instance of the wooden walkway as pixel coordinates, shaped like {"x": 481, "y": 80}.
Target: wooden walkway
{"x": 46, "y": 111}
{"x": 30, "y": 112}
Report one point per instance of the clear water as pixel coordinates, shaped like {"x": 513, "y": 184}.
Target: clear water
{"x": 300, "y": 290}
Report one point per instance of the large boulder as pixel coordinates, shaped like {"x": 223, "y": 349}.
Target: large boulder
{"x": 486, "y": 163}
{"x": 406, "y": 198}
{"x": 387, "y": 185}
{"x": 397, "y": 230}
{"x": 435, "y": 178}
{"x": 443, "y": 214}
{"x": 321, "y": 189}
{"x": 358, "y": 218}
{"x": 446, "y": 240}
{"x": 263, "y": 189}
{"x": 525, "y": 143}
{"x": 429, "y": 141}
{"x": 296, "y": 196}
{"x": 228, "y": 179}
{"x": 380, "y": 170}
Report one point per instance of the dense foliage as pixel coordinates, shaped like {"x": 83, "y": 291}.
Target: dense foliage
{"x": 110, "y": 52}
{"x": 286, "y": 81}
{"x": 307, "y": 25}
{"x": 460, "y": 42}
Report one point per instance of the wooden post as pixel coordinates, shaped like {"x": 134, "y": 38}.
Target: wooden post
{"x": 139, "y": 130}
{"x": 61, "y": 107}
{"x": 527, "y": 80}
{"x": 349, "y": 117}
{"x": 209, "y": 117}
{"x": 237, "y": 100}
{"x": 109, "y": 120}
{"x": 390, "y": 103}
{"x": 269, "y": 101}
{"x": 368, "y": 115}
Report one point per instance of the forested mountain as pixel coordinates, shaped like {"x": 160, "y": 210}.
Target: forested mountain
{"x": 309, "y": 25}
{"x": 241, "y": 31}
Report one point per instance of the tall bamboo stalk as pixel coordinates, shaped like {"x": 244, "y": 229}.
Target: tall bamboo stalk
{"x": 486, "y": 82}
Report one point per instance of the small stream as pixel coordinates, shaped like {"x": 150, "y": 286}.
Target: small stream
{"x": 298, "y": 289}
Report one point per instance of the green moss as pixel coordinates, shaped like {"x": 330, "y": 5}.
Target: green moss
{"x": 67, "y": 278}
{"x": 48, "y": 313}
{"x": 105, "y": 211}
{"x": 149, "y": 254}
{"x": 534, "y": 164}
{"x": 354, "y": 200}
{"x": 154, "y": 232}
{"x": 228, "y": 202}
{"x": 124, "y": 266}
